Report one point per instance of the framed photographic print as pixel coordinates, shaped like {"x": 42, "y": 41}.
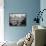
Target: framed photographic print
{"x": 17, "y": 19}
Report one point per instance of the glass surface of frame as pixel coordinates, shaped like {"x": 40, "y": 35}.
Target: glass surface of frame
{"x": 17, "y": 19}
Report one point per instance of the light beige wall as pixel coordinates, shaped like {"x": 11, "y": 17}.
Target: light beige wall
{"x": 45, "y": 37}
{"x": 39, "y": 37}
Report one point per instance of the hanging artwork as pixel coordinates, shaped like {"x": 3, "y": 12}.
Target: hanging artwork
{"x": 17, "y": 19}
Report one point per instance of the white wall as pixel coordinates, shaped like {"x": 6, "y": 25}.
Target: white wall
{"x": 43, "y": 6}
{"x": 1, "y": 21}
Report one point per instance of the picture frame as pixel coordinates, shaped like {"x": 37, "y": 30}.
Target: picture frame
{"x": 17, "y": 19}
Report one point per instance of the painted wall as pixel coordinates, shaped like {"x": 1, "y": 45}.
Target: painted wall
{"x": 1, "y": 21}
{"x": 43, "y": 6}
{"x": 30, "y": 7}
